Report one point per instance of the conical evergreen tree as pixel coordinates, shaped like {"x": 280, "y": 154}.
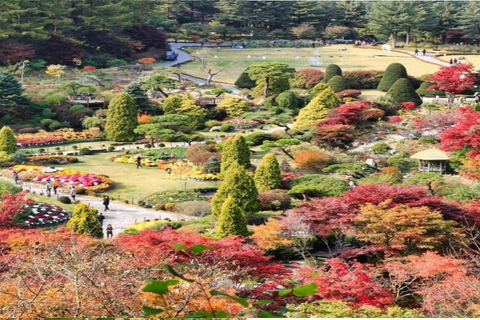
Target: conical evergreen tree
{"x": 268, "y": 175}
{"x": 235, "y": 150}
{"x": 12, "y": 100}
{"x": 84, "y": 221}
{"x": 140, "y": 97}
{"x": 231, "y": 220}
{"x": 121, "y": 118}
{"x": 316, "y": 109}
{"x": 393, "y": 72}
{"x": 239, "y": 184}
{"x": 8, "y": 142}
{"x": 403, "y": 91}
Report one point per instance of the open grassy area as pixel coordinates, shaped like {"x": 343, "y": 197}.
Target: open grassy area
{"x": 131, "y": 183}
{"x": 474, "y": 59}
{"x": 235, "y": 61}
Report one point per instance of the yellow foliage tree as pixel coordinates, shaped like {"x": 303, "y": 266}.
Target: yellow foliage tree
{"x": 55, "y": 70}
{"x": 269, "y": 235}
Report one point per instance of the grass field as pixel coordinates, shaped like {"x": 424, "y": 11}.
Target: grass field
{"x": 131, "y": 183}
{"x": 235, "y": 61}
{"x": 474, "y": 59}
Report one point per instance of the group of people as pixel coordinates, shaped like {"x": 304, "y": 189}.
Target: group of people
{"x": 424, "y": 51}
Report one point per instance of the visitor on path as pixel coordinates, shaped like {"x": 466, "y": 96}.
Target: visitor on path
{"x": 451, "y": 61}
{"x": 48, "y": 188}
{"x": 455, "y": 61}
{"x": 55, "y": 186}
{"x": 73, "y": 192}
{"x": 416, "y": 52}
{"x": 424, "y": 51}
{"x": 100, "y": 218}
{"x": 15, "y": 177}
{"x": 109, "y": 231}
{"x": 139, "y": 162}
{"x": 106, "y": 202}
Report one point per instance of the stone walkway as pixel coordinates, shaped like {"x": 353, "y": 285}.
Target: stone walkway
{"x": 120, "y": 215}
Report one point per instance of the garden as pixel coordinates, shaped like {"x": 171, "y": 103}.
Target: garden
{"x": 319, "y": 180}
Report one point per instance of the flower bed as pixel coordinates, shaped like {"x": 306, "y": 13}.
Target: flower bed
{"x": 51, "y": 138}
{"x": 148, "y": 162}
{"x": 171, "y": 197}
{"x": 42, "y": 214}
{"x": 242, "y": 123}
{"x": 65, "y": 177}
{"x": 199, "y": 176}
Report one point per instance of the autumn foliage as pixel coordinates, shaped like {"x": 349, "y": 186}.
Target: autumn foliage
{"x": 312, "y": 160}
{"x": 454, "y": 79}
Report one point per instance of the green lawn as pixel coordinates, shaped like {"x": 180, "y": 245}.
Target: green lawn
{"x": 131, "y": 183}
{"x": 234, "y": 61}
{"x": 474, "y": 59}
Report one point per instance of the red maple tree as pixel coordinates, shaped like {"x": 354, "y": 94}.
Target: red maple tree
{"x": 454, "y": 79}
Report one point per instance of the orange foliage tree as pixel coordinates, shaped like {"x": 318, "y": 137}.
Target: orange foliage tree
{"x": 312, "y": 159}
{"x": 144, "y": 118}
{"x": 269, "y": 235}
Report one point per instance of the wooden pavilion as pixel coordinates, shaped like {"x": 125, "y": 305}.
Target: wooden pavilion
{"x": 92, "y": 102}
{"x": 432, "y": 160}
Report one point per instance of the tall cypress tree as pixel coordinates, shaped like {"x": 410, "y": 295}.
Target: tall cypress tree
{"x": 8, "y": 142}
{"x": 121, "y": 118}
{"x": 239, "y": 184}
{"x": 268, "y": 175}
{"x": 84, "y": 221}
{"x": 231, "y": 220}
{"x": 235, "y": 150}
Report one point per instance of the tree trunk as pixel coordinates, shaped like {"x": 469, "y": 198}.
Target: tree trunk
{"x": 407, "y": 40}
{"x": 209, "y": 77}
{"x": 394, "y": 39}
{"x": 266, "y": 86}
{"x": 163, "y": 92}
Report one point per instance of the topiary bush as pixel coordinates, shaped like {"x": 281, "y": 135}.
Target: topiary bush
{"x": 226, "y": 127}
{"x": 257, "y": 138}
{"x": 244, "y": 81}
{"x": 402, "y": 91}
{"x": 331, "y": 71}
{"x": 85, "y": 151}
{"x": 338, "y": 83}
{"x": 64, "y": 199}
{"x": 423, "y": 90}
{"x": 316, "y": 185}
{"x": 287, "y": 100}
{"x": 312, "y": 77}
{"x": 363, "y": 79}
{"x": 276, "y": 199}
{"x": 393, "y": 72}
{"x": 318, "y": 88}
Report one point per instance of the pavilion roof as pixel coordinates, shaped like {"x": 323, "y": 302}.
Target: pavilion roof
{"x": 431, "y": 154}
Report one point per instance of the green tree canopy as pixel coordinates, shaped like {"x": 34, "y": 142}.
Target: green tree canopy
{"x": 271, "y": 78}
{"x": 234, "y": 106}
{"x": 121, "y": 118}
{"x": 8, "y": 142}
{"x": 268, "y": 175}
{"x": 235, "y": 150}
{"x": 84, "y": 221}
{"x": 12, "y": 100}
{"x": 231, "y": 220}
{"x": 316, "y": 109}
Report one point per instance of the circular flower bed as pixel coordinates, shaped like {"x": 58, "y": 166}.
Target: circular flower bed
{"x": 64, "y": 177}
{"x": 147, "y": 162}
{"x": 42, "y": 214}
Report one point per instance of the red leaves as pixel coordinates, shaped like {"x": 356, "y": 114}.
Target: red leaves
{"x": 12, "y": 205}
{"x": 353, "y": 284}
{"x": 453, "y": 78}
{"x": 464, "y": 134}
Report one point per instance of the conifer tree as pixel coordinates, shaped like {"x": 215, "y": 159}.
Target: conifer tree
{"x": 268, "y": 175}
{"x": 140, "y": 97}
{"x": 331, "y": 71}
{"x": 8, "y": 142}
{"x": 338, "y": 83}
{"x": 121, "y": 118}
{"x": 403, "y": 91}
{"x": 235, "y": 150}
{"x": 171, "y": 104}
{"x": 239, "y": 184}
{"x": 196, "y": 114}
{"x": 393, "y": 72}
{"x": 234, "y": 106}
{"x": 316, "y": 109}
{"x": 231, "y": 220}
{"x": 84, "y": 221}
{"x": 12, "y": 100}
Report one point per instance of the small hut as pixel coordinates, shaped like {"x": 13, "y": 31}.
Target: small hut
{"x": 432, "y": 160}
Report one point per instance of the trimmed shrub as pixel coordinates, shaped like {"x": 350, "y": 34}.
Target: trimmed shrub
{"x": 373, "y": 114}
{"x": 423, "y": 90}
{"x": 317, "y": 109}
{"x": 194, "y": 208}
{"x": 84, "y": 221}
{"x": 199, "y": 154}
{"x": 287, "y": 100}
{"x": 331, "y": 71}
{"x": 393, "y": 72}
{"x": 65, "y": 199}
{"x": 8, "y": 142}
{"x": 170, "y": 206}
{"x": 244, "y": 81}
{"x": 316, "y": 185}
{"x": 318, "y": 88}
{"x": 257, "y": 138}
{"x": 312, "y": 77}
{"x": 235, "y": 150}
{"x": 234, "y": 106}
{"x": 226, "y": 127}
{"x": 276, "y": 199}
{"x": 231, "y": 220}
{"x": 121, "y": 118}
{"x": 402, "y": 91}
{"x": 338, "y": 83}
{"x": 85, "y": 151}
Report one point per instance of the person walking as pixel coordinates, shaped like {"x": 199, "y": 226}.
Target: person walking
{"x": 48, "y": 188}
{"x": 73, "y": 192}
{"x": 416, "y": 52}
{"x": 424, "y": 51}
{"x": 109, "y": 231}
{"x": 106, "y": 202}
{"x": 100, "y": 218}
{"x": 15, "y": 177}
{"x": 139, "y": 162}
{"x": 55, "y": 186}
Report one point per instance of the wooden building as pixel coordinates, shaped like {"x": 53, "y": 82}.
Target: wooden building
{"x": 432, "y": 160}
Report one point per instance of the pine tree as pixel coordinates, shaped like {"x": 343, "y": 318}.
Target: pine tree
{"x": 316, "y": 109}
{"x": 331, "y": 71}
{"x": 235, "y": 150}
{"x": 8, "y": 142}
{"x": 12, "y": 99}
{"x": 403, "y": 91}
{"x": 121, "y": 118}
{"x": 84, "y": 221}
{"x": 393, "y": 72}
{"x": 239, "y": 184}
{"x": 142, "y": 102}
{"x": 268, "y": 175}
{"x": 231, "y": 220}
{"x": 234, "y": 106}
{"x": 195, "y": 113}
{"x": 171, "y": 104}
